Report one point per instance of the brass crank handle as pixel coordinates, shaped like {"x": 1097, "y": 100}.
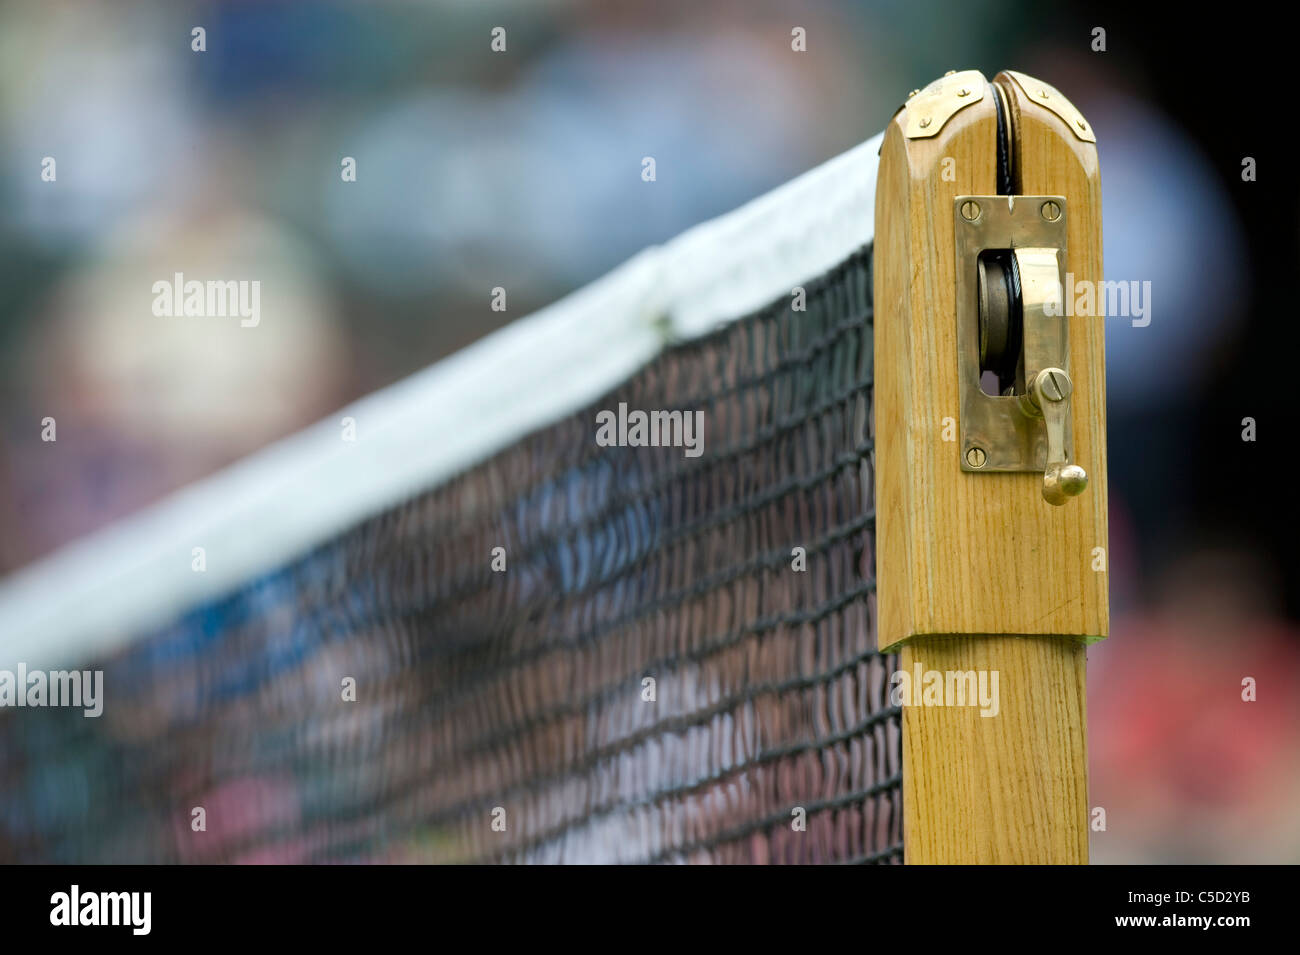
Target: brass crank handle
{"x": 1049, "y": 395}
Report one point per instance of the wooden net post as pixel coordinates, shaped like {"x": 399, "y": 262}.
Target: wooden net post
{"x": 978, "y": 572}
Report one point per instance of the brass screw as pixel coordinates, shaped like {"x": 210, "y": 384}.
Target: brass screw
{"x": 1051, "y": 211}
{"x": 1052, "y": 385}
{"x": 925, "y": 121}
{"x": 970, "y": 210}
{"x": 913, "y": 93}
{"x": 1082, "y": 124}
{"x": 963, "y": 92}
{"x": 1043, "y": 94}
{"x": 950, "y": 73}
{"x": 976, "y": 457}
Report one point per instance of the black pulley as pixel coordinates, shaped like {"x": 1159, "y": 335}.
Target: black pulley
{"x": 1000, "y": 322}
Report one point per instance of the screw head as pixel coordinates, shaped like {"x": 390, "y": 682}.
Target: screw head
{"x": 963, "y": 92}
{"x": 1082, "y": 124}
{"x": 925, "y": 121}
{"x": 1051, "y": 211}
{"x": 1051, "y": 384}
{"x": 950, "y": 73}
{"x": 970, "y": 210}
{"x": 913, "y": 93}
{"x": 976, "y": 457}
{"x": 1042, "y": 94}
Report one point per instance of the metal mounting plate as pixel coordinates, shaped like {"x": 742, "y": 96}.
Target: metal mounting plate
{"x": 932, "y": 107}
{"x": 1011, "y": 438}
{"x": 1050, "y": 97}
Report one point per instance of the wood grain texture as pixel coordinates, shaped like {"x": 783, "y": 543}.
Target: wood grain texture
{"x": 976, "y": 553}
{"x": 1004, "y": 789}
{"x": 975, "y": 571}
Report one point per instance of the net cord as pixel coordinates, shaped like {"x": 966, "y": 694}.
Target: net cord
{"x": 90, "y": 597}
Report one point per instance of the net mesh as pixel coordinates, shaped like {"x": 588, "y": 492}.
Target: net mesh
{"x": 670, "y": 658}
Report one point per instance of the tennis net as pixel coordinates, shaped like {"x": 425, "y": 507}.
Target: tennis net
{"x": 482, "y": 635}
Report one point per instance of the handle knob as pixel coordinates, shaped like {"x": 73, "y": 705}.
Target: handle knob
{"x": 1049, "y": 393}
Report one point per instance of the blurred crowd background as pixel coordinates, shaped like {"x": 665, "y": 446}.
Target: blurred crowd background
{"x": 521, "y": 169}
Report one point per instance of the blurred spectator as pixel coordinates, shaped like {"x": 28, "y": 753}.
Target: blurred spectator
{"x": 522, "y": 169}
